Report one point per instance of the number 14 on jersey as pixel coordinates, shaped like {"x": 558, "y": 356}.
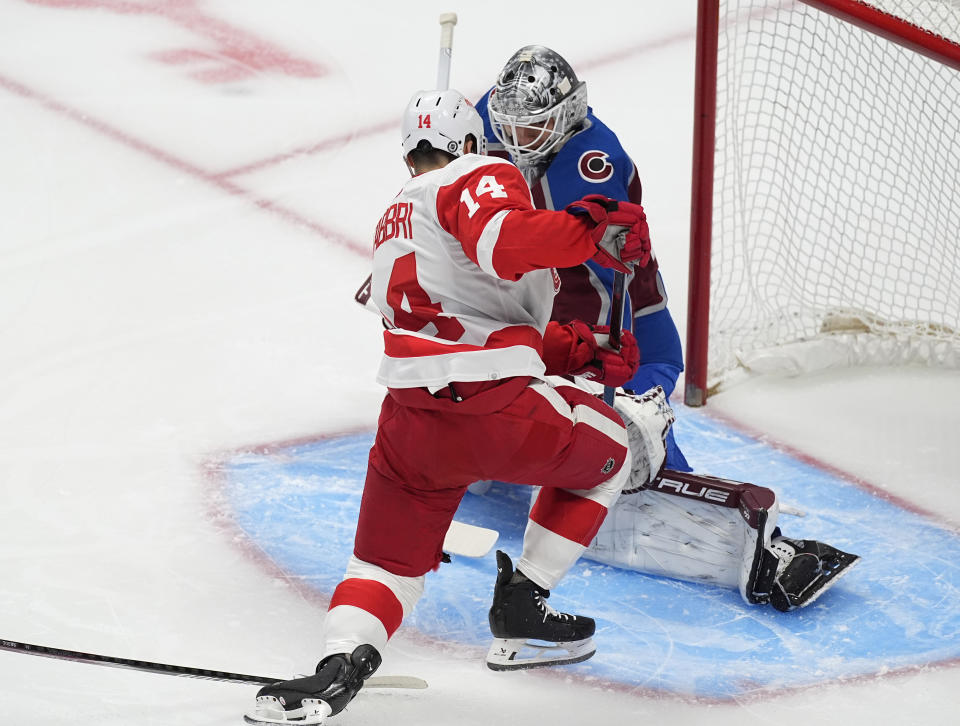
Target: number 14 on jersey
{"x": 487, "y": 185}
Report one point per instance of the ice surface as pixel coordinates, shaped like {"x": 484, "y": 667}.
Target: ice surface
{"x": 188, "y": 189}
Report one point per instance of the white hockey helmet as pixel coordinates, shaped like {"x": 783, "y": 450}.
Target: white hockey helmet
{"x": 444, "y": 119}
{"x": 536, "y": 103}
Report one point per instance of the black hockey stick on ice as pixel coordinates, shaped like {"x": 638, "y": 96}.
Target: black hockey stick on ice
{"x": 186, "y": 671}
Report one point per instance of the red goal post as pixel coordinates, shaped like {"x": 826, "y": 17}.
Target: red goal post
{"x": 825, "y": 209}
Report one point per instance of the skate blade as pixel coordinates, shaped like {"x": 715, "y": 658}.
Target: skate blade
{"x": 508, "y": 654}
{"x": 270, "y": 711}
{"x": 836, "y": 575}
{"x": 261, "y": 720}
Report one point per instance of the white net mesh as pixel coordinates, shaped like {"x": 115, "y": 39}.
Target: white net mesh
{"x": 837, "y": 192}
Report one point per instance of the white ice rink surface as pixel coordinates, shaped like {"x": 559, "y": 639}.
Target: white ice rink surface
{"x": 188, "y": 193}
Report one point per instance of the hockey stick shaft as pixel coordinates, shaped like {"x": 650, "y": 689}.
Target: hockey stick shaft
{"x": 447, "y": 23}
{"x": 616, "y": 325}
{"x": 44, "y": 651}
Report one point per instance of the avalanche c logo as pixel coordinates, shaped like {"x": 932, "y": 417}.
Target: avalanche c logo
{"x": 594, "y": 167}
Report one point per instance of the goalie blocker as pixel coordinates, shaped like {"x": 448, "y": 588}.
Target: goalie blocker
{"x": 707, "y": 529}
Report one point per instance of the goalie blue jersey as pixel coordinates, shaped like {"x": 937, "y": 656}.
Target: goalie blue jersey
{"x": 592, "y": 161}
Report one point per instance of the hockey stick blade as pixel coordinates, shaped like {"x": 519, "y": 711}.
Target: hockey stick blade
{"x": 792, "y": 511}
{"x": 468, "y": 540}
{"x": 44, "y": 651}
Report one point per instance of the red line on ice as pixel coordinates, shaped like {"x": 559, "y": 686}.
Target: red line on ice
{"x": 182, "y": 165}
{"x": 236, "y": 53}
{"x": 809, "y": 459}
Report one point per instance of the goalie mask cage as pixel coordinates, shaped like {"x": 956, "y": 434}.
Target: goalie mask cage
{"x": 826, "y": 187}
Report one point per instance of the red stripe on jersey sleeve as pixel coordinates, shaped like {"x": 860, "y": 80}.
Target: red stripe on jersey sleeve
{"x": 372, "y": 596}
{"x": 529, "y": 239}
{"x": 541, "y": 239}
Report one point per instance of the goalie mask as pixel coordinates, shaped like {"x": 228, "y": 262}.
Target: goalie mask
{"x": 444, "y": 119}
{"x": 536, "y": 103}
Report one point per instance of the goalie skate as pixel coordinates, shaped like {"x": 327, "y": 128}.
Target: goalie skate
{"x": 807, "y": 569}
{"x": 527, "y": 632}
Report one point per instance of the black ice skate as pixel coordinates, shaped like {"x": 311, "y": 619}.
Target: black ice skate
{"x": 311, "y": 699}
{"x": 520, "y": 615}
{"x": 807, "y": 569}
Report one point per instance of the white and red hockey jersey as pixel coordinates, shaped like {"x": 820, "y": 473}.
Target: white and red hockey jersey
{"x": 463, "y": 272}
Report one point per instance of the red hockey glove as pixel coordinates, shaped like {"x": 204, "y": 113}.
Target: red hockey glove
{"x": 581, "y": 350}
{"x": 619, "y": 230}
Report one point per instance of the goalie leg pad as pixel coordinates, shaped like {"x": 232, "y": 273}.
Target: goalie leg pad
{"x": 694, "y": 527}
{"x": 658, "y": 533}
{"x": 647, "y": 418}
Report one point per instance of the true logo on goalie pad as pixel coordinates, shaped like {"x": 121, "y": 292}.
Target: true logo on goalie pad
{"x": 694, "y": 491}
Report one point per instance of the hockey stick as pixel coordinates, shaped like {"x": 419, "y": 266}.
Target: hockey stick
{"x": 447, "y": 22}
{"x": 462, "y": 539}
{"x": 616, "y": 325}
{"x": 14, "y": 646}
{"x": 469, "y": 540}
{"x": 791, "y": 510}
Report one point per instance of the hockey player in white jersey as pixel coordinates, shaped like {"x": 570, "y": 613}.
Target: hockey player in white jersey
{"x": 464, "y": 276}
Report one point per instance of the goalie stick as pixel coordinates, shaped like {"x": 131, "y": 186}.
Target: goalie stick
{"x": 44, "y": 651}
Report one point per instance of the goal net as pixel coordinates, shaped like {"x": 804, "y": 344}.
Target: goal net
{"x": 834, "y": 220}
